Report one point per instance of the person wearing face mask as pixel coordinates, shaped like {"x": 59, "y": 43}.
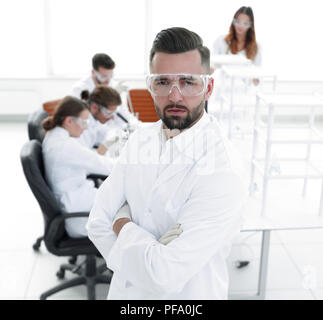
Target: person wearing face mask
{"x": 241, "y": 38}
{"x": 68, "y": 163}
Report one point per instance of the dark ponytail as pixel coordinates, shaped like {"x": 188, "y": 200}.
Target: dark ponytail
{"x": 69, "y": 106}
{"x": 48, "y": 123}
{"x": 85, "y": 94}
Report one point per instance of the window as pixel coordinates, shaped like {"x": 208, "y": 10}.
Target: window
{"x": 80, "y": 28}
{"x": 42, "y": 38}
{"x": 22, "y": 51}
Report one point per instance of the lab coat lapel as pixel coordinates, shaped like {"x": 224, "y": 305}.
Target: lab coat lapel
{"x": 182, "y": 165}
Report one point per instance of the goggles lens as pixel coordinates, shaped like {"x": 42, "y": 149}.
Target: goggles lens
{"x": 102, "y": 78}
{"x": 106, "y": 112}
{"x": 245, "y": 24}
{"x": 83, "y": 123}
{"x": 189, "y": 85}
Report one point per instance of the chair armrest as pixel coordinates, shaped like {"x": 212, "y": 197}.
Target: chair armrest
{"x": 97, "y": 179}
{"x": 62, "y": 217}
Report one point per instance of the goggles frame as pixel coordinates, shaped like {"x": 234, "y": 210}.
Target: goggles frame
{"x": 204, "y": 77}
{"x": 102, "y": 78}
{"x": 106, "y": 112}
{"x": 83, "y": 123}
{"x": 246, "y": 24}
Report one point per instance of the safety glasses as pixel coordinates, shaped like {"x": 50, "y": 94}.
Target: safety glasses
{"x": 102, "y": 78}
{"x": 189, "y": 85}
{"x": 246, "y": 24}
{"x": 106, "y": 112}
{"x": 83, "y": 123}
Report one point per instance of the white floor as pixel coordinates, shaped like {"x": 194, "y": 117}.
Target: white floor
{"x": 295, "y": 261}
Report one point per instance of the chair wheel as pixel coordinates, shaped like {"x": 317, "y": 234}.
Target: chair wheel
{"x": 60, "y": 274}
{"x": 36, "y": 246}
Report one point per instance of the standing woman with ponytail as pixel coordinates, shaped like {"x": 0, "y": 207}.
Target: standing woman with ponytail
{"x": 241, "y": 38}
{"x": 67, "y": 162}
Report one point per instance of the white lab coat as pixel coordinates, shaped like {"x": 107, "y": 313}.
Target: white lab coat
{"x": 221, "y": 47}
{"x": 67, "y": 164}
{"x": 193, "y": 181}
{"x": 87, "y": 83}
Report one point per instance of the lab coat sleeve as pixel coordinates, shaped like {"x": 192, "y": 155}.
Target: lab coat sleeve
{"x": 210, "y": 220}
{"x": 77, "y": 154}
{"x": 258, "y": 58}
{"x": 219, "y": 46}
{"x": 76, "y": 90}
{"x": 109, "y": 199}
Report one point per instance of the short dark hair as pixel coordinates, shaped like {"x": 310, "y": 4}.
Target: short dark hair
{"x": 180, "y": 40}
{"x": 102, "y": 60}
{"x": 104, "y": 96}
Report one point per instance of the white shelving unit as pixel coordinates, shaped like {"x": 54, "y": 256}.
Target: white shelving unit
{"x": 243, "y": 76}
{"x": 269, "y": 134}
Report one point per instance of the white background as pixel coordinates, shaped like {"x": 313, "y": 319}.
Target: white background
{"x": 46, "y": 38}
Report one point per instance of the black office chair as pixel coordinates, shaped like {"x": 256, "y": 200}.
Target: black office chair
{"x": 55, "y": 237}
{"x": 35, "y": 130}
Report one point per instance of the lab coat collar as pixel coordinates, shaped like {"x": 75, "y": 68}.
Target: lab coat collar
{"x": 60, "y": 131}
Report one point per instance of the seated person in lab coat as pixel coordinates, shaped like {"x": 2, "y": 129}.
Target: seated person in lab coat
{"x": 101, "y": 74}
{"x": 181, "y": 179}
{"x": 67, "y": 162}
{"x": 102, "y": 104}
{"x": 241, "y": 38}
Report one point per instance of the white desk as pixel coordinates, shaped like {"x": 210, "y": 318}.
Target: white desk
{"x": 269, "y": 134}
{"x": 254, "y": 222}
{"x": 246, "y": 74}
{"x": 219, "y": 60}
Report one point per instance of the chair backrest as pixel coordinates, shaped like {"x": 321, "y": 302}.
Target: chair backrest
{"x": 141, "y": 102}
{"x": 33, "y": 166}
{"x": 50, "y": 106}
{"x": 35, "y": 129}
{"x": 55, "y": 236}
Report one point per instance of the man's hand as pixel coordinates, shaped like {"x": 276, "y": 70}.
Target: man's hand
{"x": 171, "y": 234}
{"x": 107, "y": 143}
{"x": 122, "y": 217}
{"x": 118, "y": 225}
{"x": 101, "y": 149}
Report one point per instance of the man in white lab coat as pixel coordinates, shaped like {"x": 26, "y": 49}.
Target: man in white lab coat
{"x": 101, "y": 74}
{"x": 181, "y": 180}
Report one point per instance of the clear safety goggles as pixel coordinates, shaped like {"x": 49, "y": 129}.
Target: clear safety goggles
{"x": 101, "y": 77}
{"x": 246, "y": 24}
{"x": 189, "y": 85}
{"x": 83, "y": 123}
{"x": 106, "y": 112}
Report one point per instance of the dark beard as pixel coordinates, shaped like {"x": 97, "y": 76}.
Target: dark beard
{"x": 176, "y": 122}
